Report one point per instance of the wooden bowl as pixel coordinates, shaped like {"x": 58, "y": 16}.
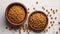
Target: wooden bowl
{"x": 31, "y": 21}
{"x": 7, "y": 10}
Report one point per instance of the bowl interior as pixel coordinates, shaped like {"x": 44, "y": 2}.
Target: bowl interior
{"x": 8, "y": 8}
{"x": 38, "y": 12}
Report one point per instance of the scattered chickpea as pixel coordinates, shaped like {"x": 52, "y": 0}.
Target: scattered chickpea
{"x": 44, "y": 31}
{"x": 55, "y": 17}
{"x": 10, "y": 28}
{"x": 28, "y": 12}
{"x": 28, "y": 9}
{"x": 51, "y": 17}
{"x": 51, "y": 24}
{"x": 51, "y": 9}
{"x": 19, "y": 31}
{"x": 43, "y": 8}
{"x": 6, "y": 27}
{"x": 23, "y": 28}
{"x": 36, "y": 2}
{"x": 46, "y": 10}
{"x": 56, "y": 32}
{"x": 28, "y": 32}
{"x": 53, "y": 12}
{"x": 56, "y": 10}
{"x": 49, "y": 27}
{"x": 33, "y": 8}
{"x": 59, "y": 28}
{"x": 59, "y": 23}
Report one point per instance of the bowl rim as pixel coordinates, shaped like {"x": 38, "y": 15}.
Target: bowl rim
{"x": 37, "y": 11}
{"x": 7, "y": 13}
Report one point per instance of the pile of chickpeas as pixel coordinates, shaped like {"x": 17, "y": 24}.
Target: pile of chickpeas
{"x": 16, "y": 14}
{"x": 38, "y": 20}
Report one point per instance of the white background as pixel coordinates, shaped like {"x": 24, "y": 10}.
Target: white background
{"x": 48, "y": 4}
